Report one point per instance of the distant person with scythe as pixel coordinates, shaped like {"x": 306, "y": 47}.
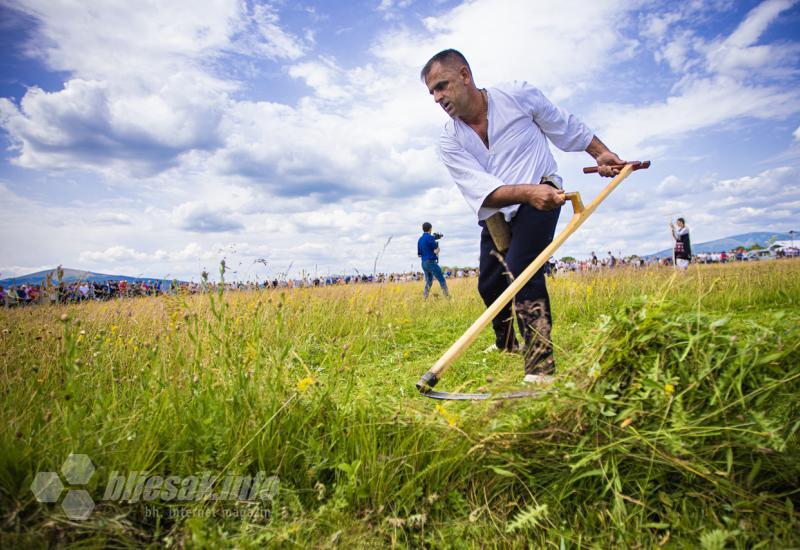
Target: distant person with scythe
{"x": 496, "y": 149}
{"x": 683, "y": 248}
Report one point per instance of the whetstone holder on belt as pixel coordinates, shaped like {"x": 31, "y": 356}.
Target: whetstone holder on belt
{"x": 500, "y": 231}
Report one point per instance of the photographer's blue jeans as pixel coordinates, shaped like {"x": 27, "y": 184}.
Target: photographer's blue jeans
{"x": 431, "y": 269}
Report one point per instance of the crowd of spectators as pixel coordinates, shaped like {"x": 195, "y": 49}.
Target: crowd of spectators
{"x": 611, "y": 261}
{"x": 742, "y": 255}
{"x": 594, "y": 263}
{"x": 77, "y": 291}
{"x": 80, "y": 291}
{"x": 49, "y": 292}
{"x": 364, "y": 279}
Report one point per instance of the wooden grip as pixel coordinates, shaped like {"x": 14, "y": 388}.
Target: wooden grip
{"x": 636, "y": 164}
{"x": 577, "y": 203}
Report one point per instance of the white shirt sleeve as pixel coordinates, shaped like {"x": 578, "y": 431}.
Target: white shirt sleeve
{"x": 681, "y": 231}
{"x": 566, "y": 131}
{"x": 474, "y": 182}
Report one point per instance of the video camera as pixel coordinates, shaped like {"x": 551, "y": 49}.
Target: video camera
{"x": 437, "y": 236}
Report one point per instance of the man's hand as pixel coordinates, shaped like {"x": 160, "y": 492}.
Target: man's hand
{"x": 544, "y": 197}
{"x": 540, "y": 196}
{"x": 604, "y": 157}
{"x": 606, "y": 164}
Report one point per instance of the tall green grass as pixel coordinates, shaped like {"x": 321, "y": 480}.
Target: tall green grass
{"x": 674, "y": 420}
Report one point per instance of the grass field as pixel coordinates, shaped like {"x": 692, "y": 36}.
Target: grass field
{"x": 674, "y": 420}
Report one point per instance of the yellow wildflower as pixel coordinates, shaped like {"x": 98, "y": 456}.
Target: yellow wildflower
{"x": 669, "y": 389}
{"x": 449, "y": 417}
{"x": 305, "y": 383}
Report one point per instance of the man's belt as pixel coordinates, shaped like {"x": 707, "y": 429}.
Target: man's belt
{"x": 498, "y": 226}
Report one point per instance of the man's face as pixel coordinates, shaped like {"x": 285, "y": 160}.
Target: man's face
{"x": 447, "y": 83}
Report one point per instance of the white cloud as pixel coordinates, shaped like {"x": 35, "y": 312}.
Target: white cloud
{"x": 10, "y": 271}
{"x": 146, "y": 81}
{"x": 533, "y": 41}
{"x": 149, "y": 39}
{"x": 89, "y": 125}
{"x": 734, "y": 83}
{"x": 673, "y": 186}
{"x": 271, "y": 40}
{"x": 114, "y": 254}
{"x": 776, "y": 187}
{"x": 391, "y": 8}
{"x": 678, "y": 53}
{"x": 657, "y": 25}
{"x": 333, "y": 153}
{"x": 703, "y": 104}
{"x": 738, "y": 54}
{"x": 320, "y": 75}
{"x": 676, "y": 29}
{"x": 204, "y": 218}
{"x": 114, "y": 218}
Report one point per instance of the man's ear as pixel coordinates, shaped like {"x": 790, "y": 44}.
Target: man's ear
{"x": 463, "y": 72}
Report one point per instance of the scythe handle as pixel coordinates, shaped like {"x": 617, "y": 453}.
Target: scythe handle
{"x": 637, "y": 165}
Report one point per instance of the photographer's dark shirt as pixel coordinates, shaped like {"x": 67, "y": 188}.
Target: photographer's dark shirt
{"x": 426, "y": 246}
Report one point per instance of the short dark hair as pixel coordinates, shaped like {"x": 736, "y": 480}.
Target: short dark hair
{"x": 426, "y": 227}
{"x": 682, "y": 221}
{"x": 445, "y": 56}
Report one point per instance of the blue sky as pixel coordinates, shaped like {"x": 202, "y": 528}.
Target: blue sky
{"x": 157, "y": 138}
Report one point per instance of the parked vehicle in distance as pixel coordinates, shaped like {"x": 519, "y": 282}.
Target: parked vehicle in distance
{"x": 761, "y": 254}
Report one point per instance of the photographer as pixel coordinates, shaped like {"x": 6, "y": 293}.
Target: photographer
{"x": 428, "y": 251}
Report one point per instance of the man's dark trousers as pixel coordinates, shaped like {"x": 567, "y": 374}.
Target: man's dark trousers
{"x": 532, "y": 231}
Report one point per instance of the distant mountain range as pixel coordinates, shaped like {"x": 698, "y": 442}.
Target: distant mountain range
{"x": 71, "y": 275}
{"x": 727, "y": 244}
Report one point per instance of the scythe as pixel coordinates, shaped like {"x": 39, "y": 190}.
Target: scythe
{"x": 580, "y": 214}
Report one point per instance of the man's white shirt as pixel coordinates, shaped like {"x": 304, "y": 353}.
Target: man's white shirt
{"x": 521, "y": 119}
